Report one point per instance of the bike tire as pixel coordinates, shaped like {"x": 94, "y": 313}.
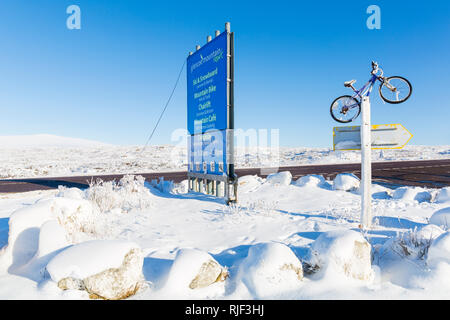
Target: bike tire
{"x": 352, "y": 118}
{"x": 404, "y": 80}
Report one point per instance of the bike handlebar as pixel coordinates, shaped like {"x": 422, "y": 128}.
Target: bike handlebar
{"x": 376, "y": 68}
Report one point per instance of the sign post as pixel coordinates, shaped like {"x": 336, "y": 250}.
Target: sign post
{"x": 368, "y": 137}
{"x": 210, "y": 117}
{"x": 366, "y": 164}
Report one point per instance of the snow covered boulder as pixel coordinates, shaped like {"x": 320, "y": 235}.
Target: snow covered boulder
{"x": 106, "y": 269}
{"x": 52, "y": 237}
{"x": 440, "y": 249}
{"x": 341, "y": 252}
{"x": 411, "y": 194}
{"x": 71, "y": 193}
{"x": 443, "y": 195}
{"x": 23, "y": 236}
{"x": 441, "y": 218}
{"x": 249, "y": 183}
{"x": 283, "y": 178}
{"x": 194, "y": 269}
{"x": 311, "y": 180}
{"x": 78, "y": 218}
{"x": 346, "y": 182}
{"x": 270, "y": 269}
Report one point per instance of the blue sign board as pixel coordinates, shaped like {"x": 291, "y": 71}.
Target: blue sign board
{"x": 207, "y": 152}
{"x": 207, "y": 87}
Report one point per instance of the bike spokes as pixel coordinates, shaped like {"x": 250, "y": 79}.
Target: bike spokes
{"x": 395, "y": 89}
{"x": 345, "y": 109}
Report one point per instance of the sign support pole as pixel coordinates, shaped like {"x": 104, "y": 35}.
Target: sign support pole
{"x": 366, "y": 164}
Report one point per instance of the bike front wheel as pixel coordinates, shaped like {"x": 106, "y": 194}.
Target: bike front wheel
{"x": 395, "y": 89}
{"x": 345, "y": 109}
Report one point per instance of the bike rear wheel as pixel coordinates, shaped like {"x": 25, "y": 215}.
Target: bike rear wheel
{"x": 345, "y": 109}
{"x": 395, "y": 89}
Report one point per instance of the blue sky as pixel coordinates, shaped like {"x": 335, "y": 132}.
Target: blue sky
{"x": 110, "y": 80}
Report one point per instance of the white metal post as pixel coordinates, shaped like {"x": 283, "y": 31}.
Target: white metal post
{"x": 366, "y": 164}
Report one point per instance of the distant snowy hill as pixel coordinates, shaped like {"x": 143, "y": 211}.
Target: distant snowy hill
{"x": 45, "y": 141}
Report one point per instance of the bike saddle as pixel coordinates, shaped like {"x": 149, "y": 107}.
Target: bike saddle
{"x": 349, "y": 83}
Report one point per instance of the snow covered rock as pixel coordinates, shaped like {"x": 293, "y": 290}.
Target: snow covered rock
{"x": 270, "y": 269}
{"x": 283, "y": 178}
{"x": 440, "y": 249}
{"x": 249, "y": 183}
{"x": 443, "y": 195}
{"x": 52, "y": 237}
{"x": 411, "y": 194}
{"x": 78, "y": 218}
{"x": 311, "y": 180}
{"x": 343, "y": 252}
{"x": 194, "y": 269}
{"x": 346, "y": 182}
{"x": 71, "y": 193}
{"x": 107, "y": 269}
{"x": 23, "y": 236}
{"x": 441, "y": 218}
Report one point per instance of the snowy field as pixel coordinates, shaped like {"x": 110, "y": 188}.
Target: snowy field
{"x": 53, "y": 156}
{"x": 285, "y": 239}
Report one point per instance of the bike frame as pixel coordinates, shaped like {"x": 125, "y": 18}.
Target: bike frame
{"x": 367, "y": 88}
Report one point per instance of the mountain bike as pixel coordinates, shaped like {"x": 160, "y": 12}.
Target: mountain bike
{"x": 393, "y": 89}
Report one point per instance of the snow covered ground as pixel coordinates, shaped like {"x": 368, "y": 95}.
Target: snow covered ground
{"x": 283, "y": 240}
{"x": 47, "y": 155}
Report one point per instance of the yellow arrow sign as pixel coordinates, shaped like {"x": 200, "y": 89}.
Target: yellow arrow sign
{"x": 384, "y": 136}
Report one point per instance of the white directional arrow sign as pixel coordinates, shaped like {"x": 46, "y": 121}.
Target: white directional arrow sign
{"x": 383, "y": 136}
